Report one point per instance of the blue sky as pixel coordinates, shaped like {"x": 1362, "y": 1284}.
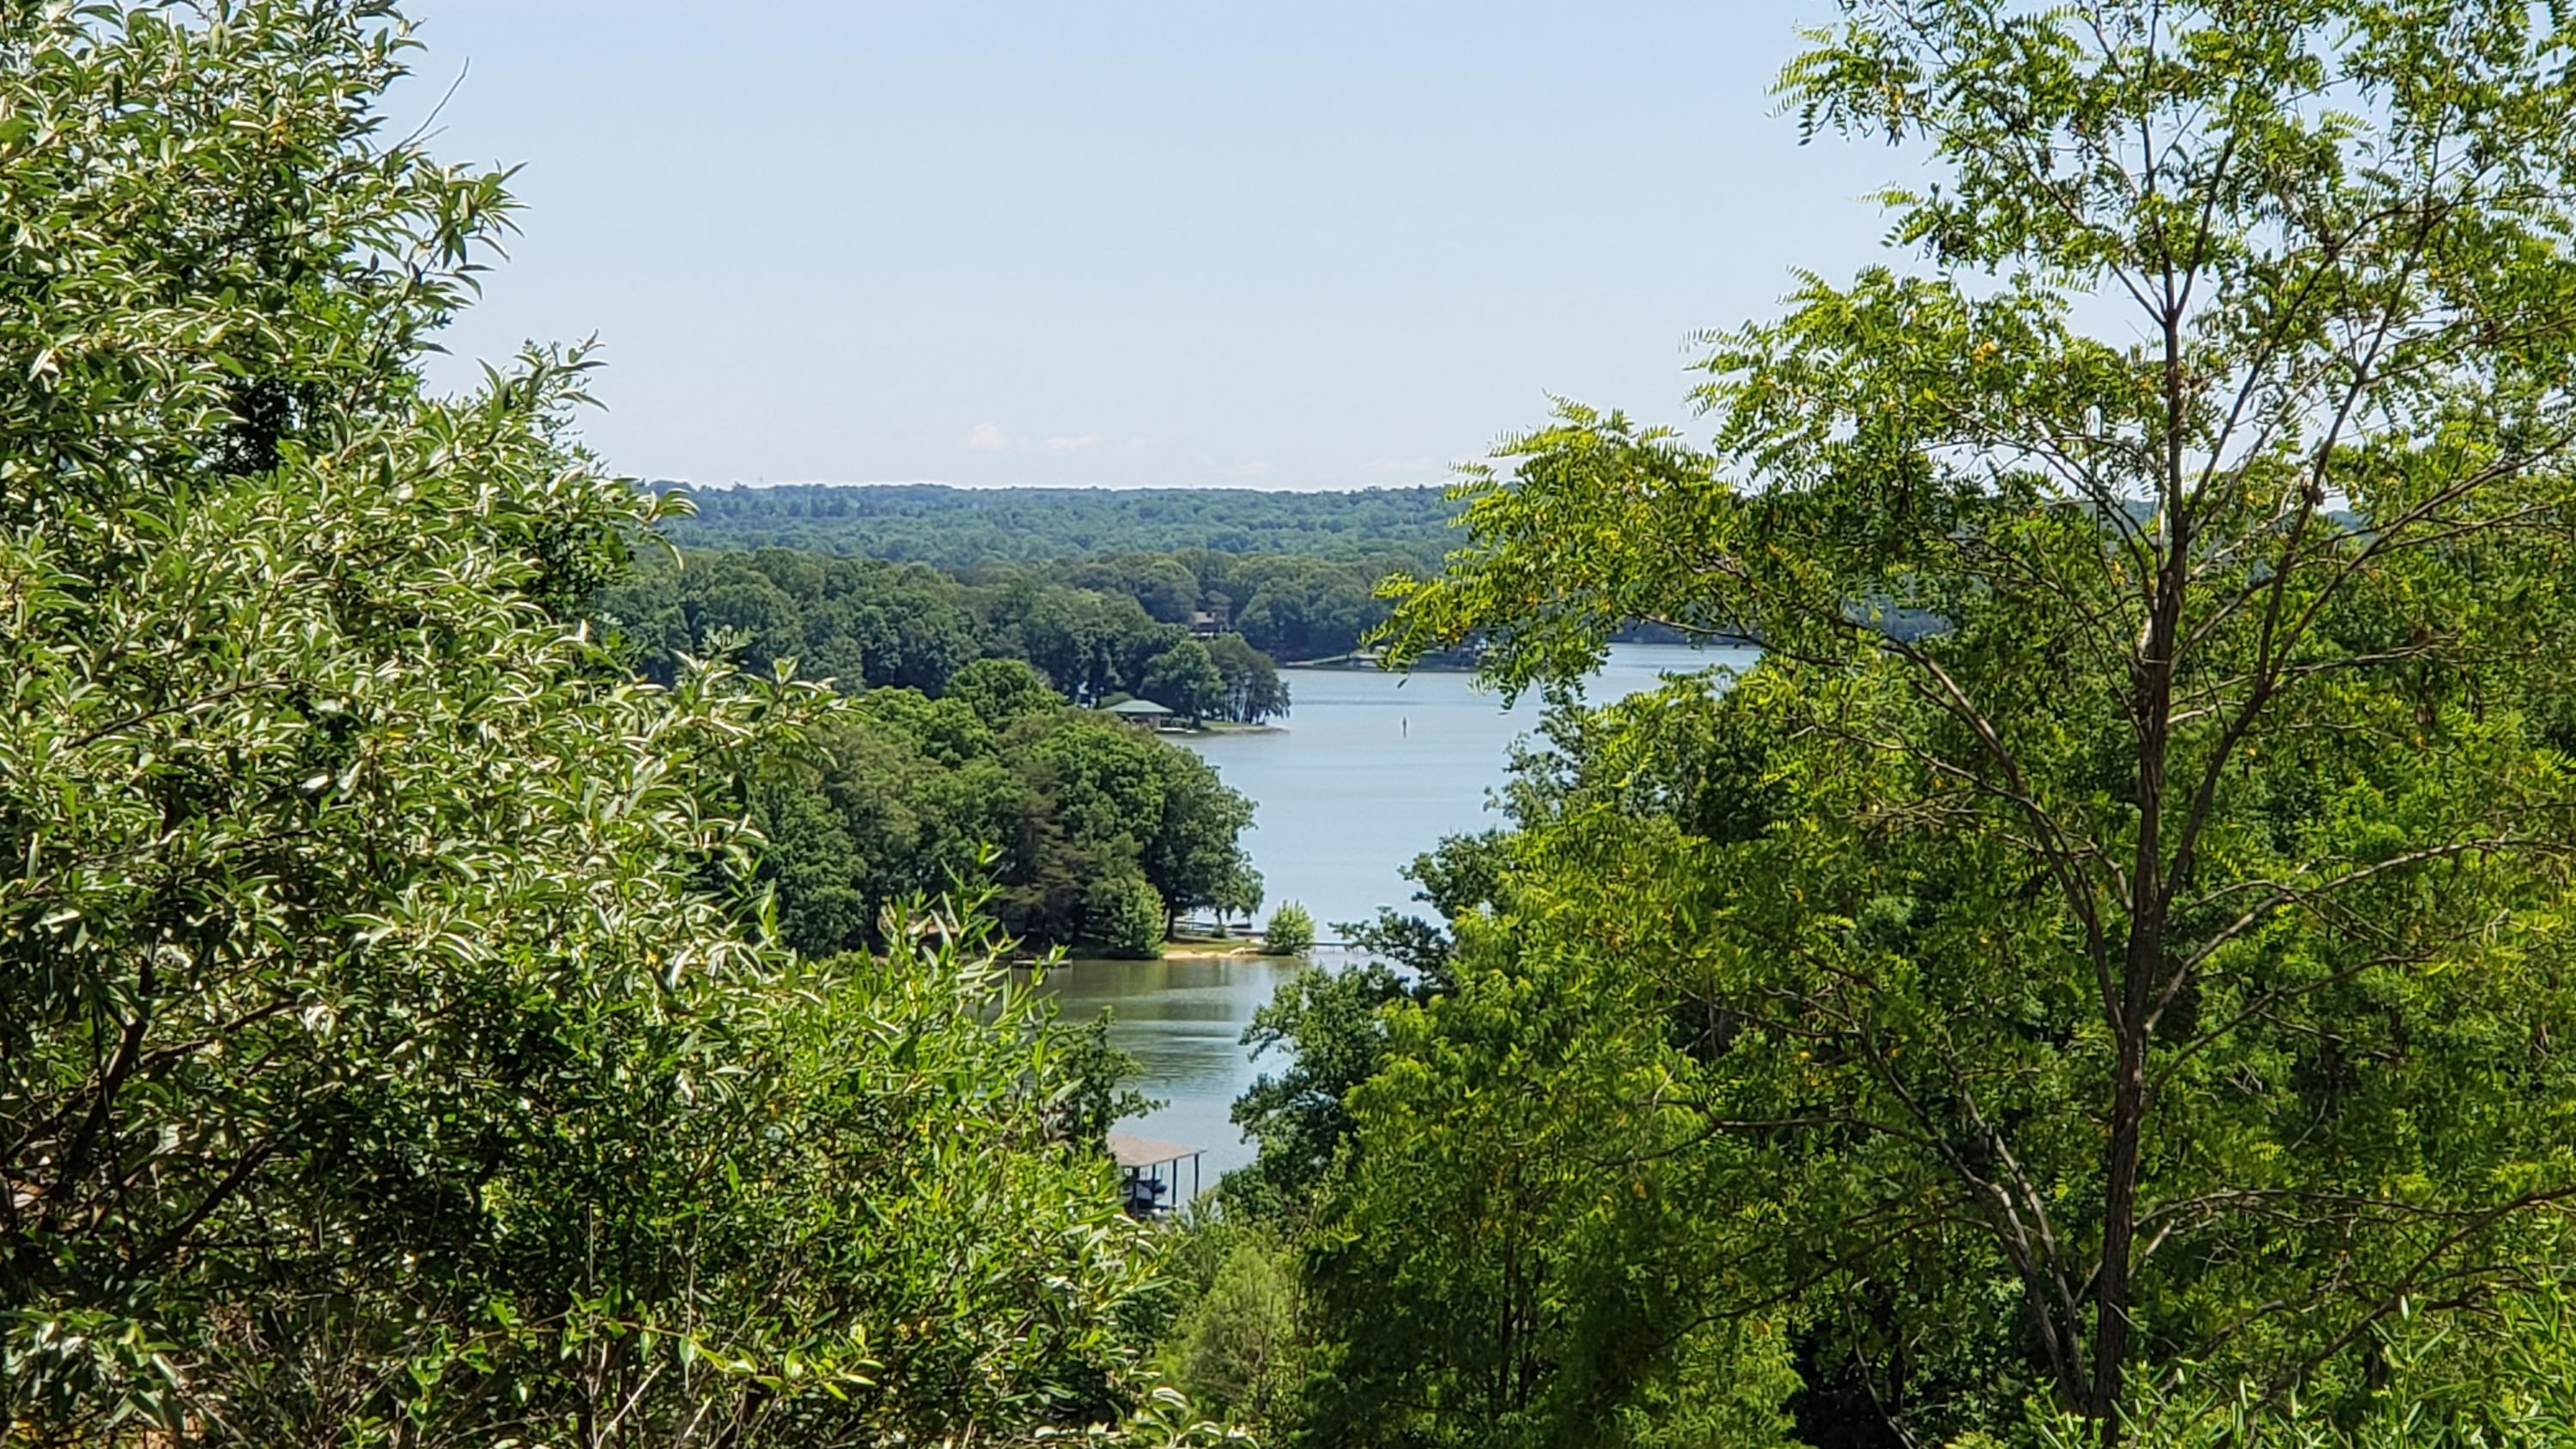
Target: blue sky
{"x": 1137, "y": 243}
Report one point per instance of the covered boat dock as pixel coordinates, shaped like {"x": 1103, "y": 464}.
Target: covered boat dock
{"x": 1143, "y": 1186}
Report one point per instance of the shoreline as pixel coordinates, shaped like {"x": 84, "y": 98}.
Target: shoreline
{"x": 1240, "y": 948}
{"x": 1244, "y": 947}
{"x": 1370, "y": 664}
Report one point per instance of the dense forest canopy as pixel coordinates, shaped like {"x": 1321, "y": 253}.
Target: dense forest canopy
{"x": 975, "y": 755}
{"x": 958, "y": 528}
{"x": 1295, "y": 608}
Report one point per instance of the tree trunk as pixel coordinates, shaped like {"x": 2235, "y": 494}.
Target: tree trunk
{"x": 2142, "y": 963}
{"x": 2119, "y": 1229}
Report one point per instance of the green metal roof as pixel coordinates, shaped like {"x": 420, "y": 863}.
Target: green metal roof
{"x": 1138, "y": 707}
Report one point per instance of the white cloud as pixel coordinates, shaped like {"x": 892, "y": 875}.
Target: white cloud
{"x": 989, "y": 438}
{"x": 1072, "y": 445}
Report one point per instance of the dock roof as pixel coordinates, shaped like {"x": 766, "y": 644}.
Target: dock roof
{"x": 1145, "y": 1152}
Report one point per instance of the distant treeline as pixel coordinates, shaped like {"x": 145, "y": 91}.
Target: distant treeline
{"x": 1292, "y": 607}
{"x": 872, "y": 621}
{"x": 959, "y": 528}
{"x": 1295, "y": 574}
{"x": 863, "y": 624}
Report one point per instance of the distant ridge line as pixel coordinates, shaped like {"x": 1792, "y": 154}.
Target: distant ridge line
{"x": 958, "y": 528}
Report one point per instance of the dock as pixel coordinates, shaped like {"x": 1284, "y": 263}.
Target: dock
{"x": 1142, "y": 1186}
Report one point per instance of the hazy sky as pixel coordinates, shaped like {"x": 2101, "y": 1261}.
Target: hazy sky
{"x": 1135, "y": 243}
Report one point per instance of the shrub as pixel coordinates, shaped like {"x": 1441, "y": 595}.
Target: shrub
{"x": 1291, "y": 933}
{"x": 1127, "y": 919}
{"x": 1234, "y": 1349}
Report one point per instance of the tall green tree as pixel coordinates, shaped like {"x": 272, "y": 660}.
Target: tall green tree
{"x": 1184, "y": 679}
{"x": 1194, "y": 855}
{"x": 383, "y": 1058}
{"x": 1002, "y": 692}
{"x": 1253, "y": 689}
{"x": 2173, "y": 932}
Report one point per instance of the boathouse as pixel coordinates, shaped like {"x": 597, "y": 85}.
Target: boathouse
{"x": 1145, "y": 714}
{"x": 1144, "y": 1187}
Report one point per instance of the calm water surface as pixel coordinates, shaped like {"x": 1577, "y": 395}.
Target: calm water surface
{"x": 1372, "y": 770}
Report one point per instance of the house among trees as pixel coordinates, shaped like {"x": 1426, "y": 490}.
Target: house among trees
{"x": 1213, "y": 616}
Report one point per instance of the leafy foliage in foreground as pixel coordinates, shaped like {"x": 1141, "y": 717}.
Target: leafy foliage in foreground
{"x": 2161, "y": 970}
{"x": 381, "y": 1056}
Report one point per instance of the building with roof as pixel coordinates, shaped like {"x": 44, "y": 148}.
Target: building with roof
{"x": 1144, "y": 713}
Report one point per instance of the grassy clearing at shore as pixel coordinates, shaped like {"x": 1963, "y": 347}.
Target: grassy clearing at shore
{"x": 1207, "y": 948}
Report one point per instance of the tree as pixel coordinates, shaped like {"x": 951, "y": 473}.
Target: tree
{"x": 1163, "y": 586}
{"x": 1235, "y": 1347}
{"x": 1332, "y": 1028}
{"x": 1291, "y": 931}
{"x": 948, "y": 731}
{"x": 1194, "y": 853}
{"x": 904, "y": 797}
{"x": 1002, "y": 692}
{"x": 383, "y": 1056}
{"x": 2147, "y": 932}
{"x": 827, "y": 896}
{"x": 1127, "y": 919}
{"x": 747, "y": 619}
{"x": 1184, "y": 680}
{"x": 965, "y": 528}
{"x": 869, "y": 625}
{"x": 1494, "y": 1262}
{"x": 1094, "y": 1098}
{"x": 1239, "y": 896}
{"x": 1253, "y": 690}
{"x": 1304, "y": 608}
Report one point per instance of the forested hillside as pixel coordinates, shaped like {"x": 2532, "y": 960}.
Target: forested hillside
{"x": 957, "y": 528}
{"x": 1092, "y": 833}
{"x": 1294, "y": 575}
{"x": 974, "y": 755}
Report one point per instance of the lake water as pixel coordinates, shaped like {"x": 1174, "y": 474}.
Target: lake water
{"x": 1372, "y": 770}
